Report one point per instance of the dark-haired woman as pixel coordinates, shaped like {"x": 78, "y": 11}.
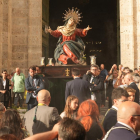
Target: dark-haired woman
{"x": 4, "y": 89}
{"x": 12, "y": 119}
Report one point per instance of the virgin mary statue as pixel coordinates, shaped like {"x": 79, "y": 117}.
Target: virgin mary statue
{"x": 70, "y": 47}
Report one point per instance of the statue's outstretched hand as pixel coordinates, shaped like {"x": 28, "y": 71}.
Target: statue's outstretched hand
{"x": 48, "y": 29}
{"x": 88, "y": 28}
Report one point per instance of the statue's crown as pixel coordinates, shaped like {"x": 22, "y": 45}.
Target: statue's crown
{"x": 74, "y": 12}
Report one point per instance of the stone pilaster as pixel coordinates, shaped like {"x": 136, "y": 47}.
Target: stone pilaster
{"x": 138, "y": 33}
{"x": 130, "y": 32}
{"x": 126, "y": 33}
{"x": 1, "y": 28}
{"x": 35, "y": 32}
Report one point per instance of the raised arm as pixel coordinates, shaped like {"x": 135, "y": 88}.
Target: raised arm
{"x": 55, "y": 33}
{"x": 82, "y": 32}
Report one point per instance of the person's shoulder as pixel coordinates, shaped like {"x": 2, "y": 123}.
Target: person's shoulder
{"x": 29, "y": 112}
{"x": 22, "y": 74}
{"x": 111, "y": 113}
{"x": 133, "y": 85}
{"x": 69, "y": 82}
{"x": 47, "y": 108}
{"x": 27, "y": 78}
{"x": 62, "y": 115}
{"x": 87, "y": 75}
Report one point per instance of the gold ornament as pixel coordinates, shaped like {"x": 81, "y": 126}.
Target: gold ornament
{"x": 73, "y": 13}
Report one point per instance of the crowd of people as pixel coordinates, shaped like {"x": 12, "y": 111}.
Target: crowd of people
{"x": 84, "y": 97}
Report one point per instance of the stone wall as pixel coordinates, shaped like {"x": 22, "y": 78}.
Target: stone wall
{"x": 20, "y": 34}
{"x": 130, "y": 32}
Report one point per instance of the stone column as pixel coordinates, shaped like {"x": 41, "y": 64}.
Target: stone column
{"x": 138, "y": 33}
{"x": 1, "y": 26}
{"x": 130, "y": 32}
{"x": 20, "y": 11}
{"x": 35, "y": 32}
{"x": 126, "y": 33}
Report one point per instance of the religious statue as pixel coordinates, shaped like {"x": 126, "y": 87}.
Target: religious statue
{"x": 70, "y": 47}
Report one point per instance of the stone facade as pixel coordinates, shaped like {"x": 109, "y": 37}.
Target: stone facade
{"x": 23, "y": 41}
{"x": 20, "y": 34}
{"x": 130, "y": 32}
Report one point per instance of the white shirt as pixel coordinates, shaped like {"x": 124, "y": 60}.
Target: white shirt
{"x": 115, "y": 107}
{"x": 4, "y": 83}
{"x": 128, "y": 127}
{"x": 123, "y": 86}
{"x": 91, "y": 78}
{"x": 62, "y": 115}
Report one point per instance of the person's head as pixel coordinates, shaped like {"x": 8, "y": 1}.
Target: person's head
{"x": 32, "y": 71}
{"x": 12, "y": 119}
{"x": 136, "y": 78}
{"x": 5, "y": 130}
{"x": 94, "y": 69}
{"x": 128, "y": 79}
{"x": 8, "y": 137}
{"x": 126, "y": 70}
{"x": 70, "y": 129}
{"x": 44, "y": 97}
{"x": 115, "y": 74}
{"x": 102, "y": 66}
{"x": 87, "y": 113}
{"x": 76, "y": 72}
{"x": 12, "y": 74}
{"x": 129, "y": 113}
{"x": 131, "y": 93}
{"x": 135, "y": 70}
{"x": 17, "y": 71}
{"x": 4, "y": 74}
{"x": 72, "y": 104}
{"x": 38, "y": 71}
{"x": 119, "y": 95}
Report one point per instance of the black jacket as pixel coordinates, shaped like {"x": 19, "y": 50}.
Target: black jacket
{"x": 122, "y": 133}
{"x": 79, "y": 88}
{"x": 4, "y": 97}
{"x": 110, "y": 119}
{"x": 96, "y": 89}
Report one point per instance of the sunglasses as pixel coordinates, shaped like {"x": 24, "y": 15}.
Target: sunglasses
{"x": 135, "y": 115}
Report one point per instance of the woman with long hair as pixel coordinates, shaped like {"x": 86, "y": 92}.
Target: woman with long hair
{"x": 71, "y": 107}
{"x": 12, "y": 119}
{"x": 88, "y": 115}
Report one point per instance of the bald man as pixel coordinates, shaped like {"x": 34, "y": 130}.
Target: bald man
{"x": 41, "y": 118}
{"x": 128, "y": 124}
{"x": 18, "y": 85}
{"x": 128, "y": 79}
